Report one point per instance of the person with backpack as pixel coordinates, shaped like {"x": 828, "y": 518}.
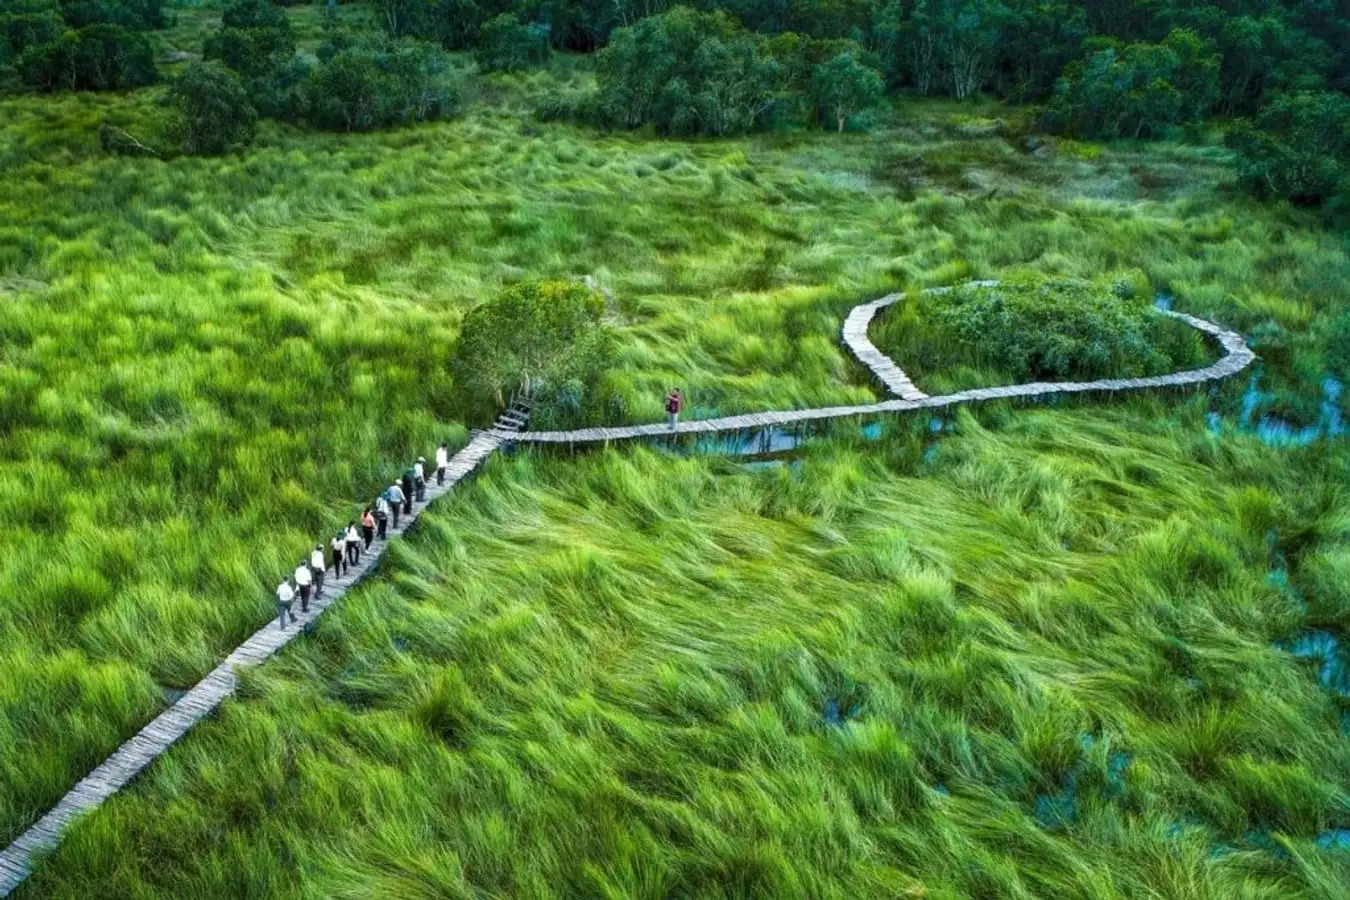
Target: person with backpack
{"x": 367, "y": 527}
{"x": 305, "y": 581}
{"x": 382, "y": 516}
{"x": 353, "y": 542}
{"x": 316, "y": 569}
{"x": 339, "y": 546}
{"x": 674, "y": 402}
{"x": 442, "y": 461}
{"x": 408, "y": 478}
{"x": 395, "y": 497}
{"x": 420, "y": 478}
{"x": 285, "y": 597}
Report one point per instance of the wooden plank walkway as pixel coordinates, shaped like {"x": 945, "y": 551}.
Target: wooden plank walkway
{"x": 16, "y": 860}
{"x": 1237, "y": 356}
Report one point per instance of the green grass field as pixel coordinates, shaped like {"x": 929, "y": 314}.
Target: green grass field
{"x": 607, "y": 675}
{"x": 629, "y": 674}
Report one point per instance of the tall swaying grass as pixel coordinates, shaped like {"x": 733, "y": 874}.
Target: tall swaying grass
{"x": 206, "y": 362}
{"x": 630, "y": 674}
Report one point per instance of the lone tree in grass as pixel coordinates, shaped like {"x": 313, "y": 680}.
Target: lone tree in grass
{"x": 533, "y": 335}
{"x": 844, "y": 88}
{"x": 213, "y": 112}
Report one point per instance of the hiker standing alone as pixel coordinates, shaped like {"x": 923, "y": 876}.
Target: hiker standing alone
{"x": 305, "y": 581}
{"x": 442, "y": 460}
{"x": 674, "y": 402}
{"x": 285, "y": 597}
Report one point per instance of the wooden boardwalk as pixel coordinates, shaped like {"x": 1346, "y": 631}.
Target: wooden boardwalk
{"x": 1236, "y": 357}
{"x": 16, "y": 860}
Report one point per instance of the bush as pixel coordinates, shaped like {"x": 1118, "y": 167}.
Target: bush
{"x": 97, "y": 58}
{"x": 1298, "y": 148}
{"x": 254, "y": 52}
{"x": 1136, "y": 90}
{"x": 213, "y": 113}
{"x": 375, "y": 85}
{"x": 134, "y": 15}
{"x": 844, "y": 90}
{"x": 688, "y": 73}
{"x": 254, "y": 14}
{"x": 1033, "y": 327}
{"x": 544, "y": 338}
{"x": 507, "y": 45}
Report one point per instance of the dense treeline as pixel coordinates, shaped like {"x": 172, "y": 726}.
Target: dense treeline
{"x": 53, "y": 45}
{"x": 1094, "y": 69}
{"x": 355, "y": 84}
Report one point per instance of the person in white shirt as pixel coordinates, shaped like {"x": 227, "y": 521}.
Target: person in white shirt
{"x": 420, "y": 478}
{"x": 339, "y": 546}
{"x": 316, "y": 568}
{"x": 285, "y": 597}
{"x": 353, "y": 544}
{"x": 442, "y": 460}
{"x": 305, "y": 581}
{"x": 381, "y": 517}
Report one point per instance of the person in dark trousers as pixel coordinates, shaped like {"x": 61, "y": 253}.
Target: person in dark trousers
{"x": 442, "y": 460}
{"x": 316, "y": 568}
{"x": 674, "y": 403}
{"x": 395, "y": 497}
{"x": 353, "y": 542}
{"x": 382, "y": 516}
{"x": 367, "y": 527}
{"x": 339, "y": 545}
{"x": 408, "y": 479}
{"x": 420, "y": 478}
{"x": 285, "y": 597}
{"x": 304, "y": 580}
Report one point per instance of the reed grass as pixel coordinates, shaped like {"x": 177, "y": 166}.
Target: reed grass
{"x": 634, "y": 674}
{"x": 205, "y": 363}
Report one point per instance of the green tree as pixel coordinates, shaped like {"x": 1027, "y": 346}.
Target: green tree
{"x": 368, "y": 85}
{"x": 538, "y": 337}
{"x": 1136, "y": 90}
{"x": 97, "y": 58}
{"x": 252, "y": 52}
{"x": 505, "y": 44}
{"x": 953, "y": 43}
{"x": 845, "y": 88}
{"x": 1297, "y": 148}
{"x": 254, "y": 14}
{"x": 688, "y": 73}
{"x": 212, "y": 110}
{"x": 133, "y": 15}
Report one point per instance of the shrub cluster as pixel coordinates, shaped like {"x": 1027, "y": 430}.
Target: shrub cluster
{"x": 546, "y": 339}
{"x": 87, "y": 45}
{"x": 356, "y": 84}
{"x": 1031, "y": 327}
{"x": 686, "y": 72}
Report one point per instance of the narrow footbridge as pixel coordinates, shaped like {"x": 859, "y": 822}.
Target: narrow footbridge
{"x": 18, "y": 859}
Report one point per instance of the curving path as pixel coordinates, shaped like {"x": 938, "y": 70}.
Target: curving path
{"x": 17, "y": 860}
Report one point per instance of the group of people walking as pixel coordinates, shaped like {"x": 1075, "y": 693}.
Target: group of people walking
{"x": 347, "y": 545}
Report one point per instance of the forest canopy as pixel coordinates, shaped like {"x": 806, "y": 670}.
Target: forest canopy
{"x": 1137, "y": 69}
